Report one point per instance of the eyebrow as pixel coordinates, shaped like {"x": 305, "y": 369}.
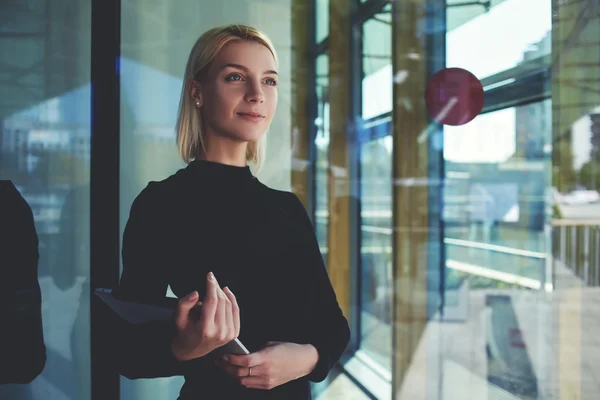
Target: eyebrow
{"x": 243, "y": 68}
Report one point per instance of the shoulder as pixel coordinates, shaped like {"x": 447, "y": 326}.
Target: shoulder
{"x": 166, "y": 188}
{"x": 163, "y": 193}
{"x": 14, "y": 210}
{"x": 10, "y": 197}
{"x": 8, "y": 190}
{"x": 286, "y": 201}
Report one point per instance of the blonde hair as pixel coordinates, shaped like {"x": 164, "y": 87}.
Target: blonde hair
{"x": 190, "y": 141}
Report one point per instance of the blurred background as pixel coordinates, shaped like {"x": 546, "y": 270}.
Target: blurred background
{"x": 466, "y": 258}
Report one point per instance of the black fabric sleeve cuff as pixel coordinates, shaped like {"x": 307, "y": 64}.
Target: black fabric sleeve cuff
{"x": 321, "y": 370}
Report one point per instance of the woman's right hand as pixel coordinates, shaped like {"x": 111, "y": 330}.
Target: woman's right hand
{"x": 217, "y": 325}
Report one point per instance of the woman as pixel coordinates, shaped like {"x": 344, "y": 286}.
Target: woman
{"x": 213, "y": 225}
{"x": 22, "y": 348}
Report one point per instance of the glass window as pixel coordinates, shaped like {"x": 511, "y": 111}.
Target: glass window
{"x": 489, "y": 42}
{"x": 376, "y": 249}
{"x": 517, "y": 192}
{"x": 497, "y": 175}
{"x": 377, "y": 65}
{"x": 322, "y": 14}
{"x": 45, "y": 152}
{"x": 376, "y": 194}
{"x": 518, "y": 217}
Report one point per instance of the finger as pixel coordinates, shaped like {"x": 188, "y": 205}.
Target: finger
{"x": 230, "y": 369}
{"x": 184, "y": 306}
{"x": 211, "y": 299}
{"x": 234, "y": 371}
{"x": 235, "y": 311}
{"x": 261, "y": 370}
{"x": 229, "y": 315}
{"x": 270, "y": 344}
{"x": 195, "y": 314}
{"x": 245, "y": 360}
{"x": 221, "y": 314}
{"x": 256, "y": 382}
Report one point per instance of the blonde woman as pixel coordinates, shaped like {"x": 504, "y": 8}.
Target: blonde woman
{"x": 217, "y": 235}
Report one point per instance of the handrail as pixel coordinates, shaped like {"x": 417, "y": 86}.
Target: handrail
{"x": 495, "y": 248}
{"x": 576, "y": 222}
{"x": 576, "y": 243}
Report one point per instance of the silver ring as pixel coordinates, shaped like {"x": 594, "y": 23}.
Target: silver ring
{"x": 249, "y": 371}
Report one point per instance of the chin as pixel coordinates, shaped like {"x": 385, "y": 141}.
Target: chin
{"x": 249, "y": 136}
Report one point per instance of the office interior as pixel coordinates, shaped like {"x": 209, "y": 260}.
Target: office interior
{"x": 465, "y": 257}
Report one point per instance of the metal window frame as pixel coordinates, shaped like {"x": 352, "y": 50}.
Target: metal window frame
{"x": 104, "y": 184}
{"x": 311, "y": 189}
{"x": 354, "y": 154}
{"x": 360, "y": 12}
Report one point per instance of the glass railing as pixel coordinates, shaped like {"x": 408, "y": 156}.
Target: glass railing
{"x": 576, "y": 246}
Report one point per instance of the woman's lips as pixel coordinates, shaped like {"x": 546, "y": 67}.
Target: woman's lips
{"x": 254, "y": 117}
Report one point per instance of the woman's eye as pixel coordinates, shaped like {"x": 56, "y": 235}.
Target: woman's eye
{"x": 233, "y": 77}
{"x": 271, "y": 81}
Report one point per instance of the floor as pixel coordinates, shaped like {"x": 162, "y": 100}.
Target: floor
{"x": 342, "y": 388}
{"x": 513, "y": 344}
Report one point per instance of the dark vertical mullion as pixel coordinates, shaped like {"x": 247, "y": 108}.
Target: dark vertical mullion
{"x": 104, "y": 187}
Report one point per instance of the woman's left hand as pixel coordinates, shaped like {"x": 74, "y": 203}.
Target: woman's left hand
{"x": 272, "y": 366}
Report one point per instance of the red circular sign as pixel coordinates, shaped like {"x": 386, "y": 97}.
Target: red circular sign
{"x": 454, "y": 96}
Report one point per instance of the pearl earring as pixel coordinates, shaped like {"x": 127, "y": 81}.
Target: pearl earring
{"x": 197, "y": 104}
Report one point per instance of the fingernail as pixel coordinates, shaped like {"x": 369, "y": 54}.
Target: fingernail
{"x": 226, "y": 288}
{"x": 211, "y": 276}
{"x": 192, "y": 296}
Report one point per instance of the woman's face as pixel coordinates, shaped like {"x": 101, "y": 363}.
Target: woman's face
{"x": 239, "y": 95}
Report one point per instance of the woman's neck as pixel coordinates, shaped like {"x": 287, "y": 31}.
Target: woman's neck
{"x": 225, "y": 151}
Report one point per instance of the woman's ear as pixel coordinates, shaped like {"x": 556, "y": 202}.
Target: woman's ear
{"x": 196, "y": 94}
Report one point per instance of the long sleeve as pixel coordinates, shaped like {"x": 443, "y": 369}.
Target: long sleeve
{"x": 329, "y": 328}
{"x": 144, "y": 351}
{"x": 22, "y": 349}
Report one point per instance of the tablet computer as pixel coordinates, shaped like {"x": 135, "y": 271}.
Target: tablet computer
{"x": 136, "y": 312}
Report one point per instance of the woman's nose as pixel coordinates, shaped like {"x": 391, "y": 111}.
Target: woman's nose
{"x": 255, "y": 94}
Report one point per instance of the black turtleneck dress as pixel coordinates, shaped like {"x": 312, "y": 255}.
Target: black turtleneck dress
{"x": 257, "y": 241}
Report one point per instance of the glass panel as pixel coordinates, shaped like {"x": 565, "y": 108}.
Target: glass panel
{"x": 519, "y": 220}
{"x": 376, "y": 249}
{"x": 473, "y": 38}
{"x": 376, "y": 194}
{"x": 156, "y": 42}
{"x": 322, "y": 157}
{"x": 377, "y": 65}
{"x": 45, "y": 152}
{"x": 519, "y": 204}
{"x": 495, "y": 197}
{"x": 497, "y": 180}
{"x": 322, "y": 17}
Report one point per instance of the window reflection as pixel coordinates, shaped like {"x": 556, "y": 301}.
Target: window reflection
{"x": 519, "y": 212}
{"x": 45, "y": 151}
{"x": 486, "y": 43}
{"x": 376, "y": 249}
{"x": 495, "y": 198}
